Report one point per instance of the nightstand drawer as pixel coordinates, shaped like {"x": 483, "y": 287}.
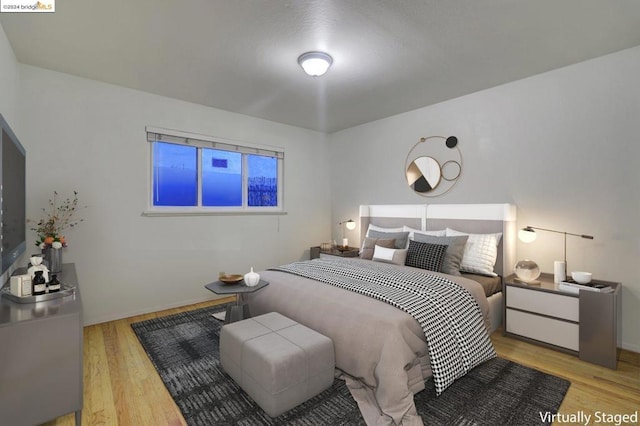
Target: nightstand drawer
{"x": 551, "y": 304}
{"x": 548, "y": 330}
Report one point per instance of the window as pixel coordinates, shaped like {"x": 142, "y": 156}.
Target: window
{"x": 175, "y": 175}
{"x": 199, "y": 174}
{"x": 221, "y": 178}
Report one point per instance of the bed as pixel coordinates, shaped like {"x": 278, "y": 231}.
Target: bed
{"x": 382, "y": 350}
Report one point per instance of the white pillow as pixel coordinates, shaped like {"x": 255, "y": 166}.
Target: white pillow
{"x": 453, "y": 233}
{"x": 413, "y": 231}
{"x": 480, "y": 252}
{"x": 383, "y": 254}
{"x": 381, "y": 229}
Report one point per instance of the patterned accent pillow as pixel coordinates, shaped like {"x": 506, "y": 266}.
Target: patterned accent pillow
{"x": 400, "y": 237}
{"x": 480, "y": 252}
{"x": 369, "y": 244}
{"x": 425, "y": 255}
{"x": 455, "y": 250}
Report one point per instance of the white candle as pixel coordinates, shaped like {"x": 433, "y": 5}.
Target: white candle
{"x": 345, "y": 242}
{"x": 559, "y": 274}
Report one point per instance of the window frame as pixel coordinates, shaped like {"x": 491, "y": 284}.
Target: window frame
{"x": 155, "y": 134}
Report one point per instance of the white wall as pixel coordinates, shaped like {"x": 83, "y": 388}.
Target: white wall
{"x": 563, "y": 146}
{"x": 90, "y": 137}
{"x": 9, "y": 82}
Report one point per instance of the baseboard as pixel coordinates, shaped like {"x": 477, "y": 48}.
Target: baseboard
{"x": 633, "y": 358}
{"x": 123, "y": 315}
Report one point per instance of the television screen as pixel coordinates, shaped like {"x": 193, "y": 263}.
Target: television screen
{"x": 13, "y": 188}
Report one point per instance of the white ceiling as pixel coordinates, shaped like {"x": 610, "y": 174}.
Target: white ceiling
{"x": 390, "y": 56}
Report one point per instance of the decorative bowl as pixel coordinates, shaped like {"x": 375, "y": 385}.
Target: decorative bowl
{"x": 581, "y": 277}
{"x": 342, "y": 249}
{"x": 231, "y": 279}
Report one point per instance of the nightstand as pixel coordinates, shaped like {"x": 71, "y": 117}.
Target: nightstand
{"x": 583, "y": 324}
{"x": 240, "y": 310}
{"x": 316, "y": 252}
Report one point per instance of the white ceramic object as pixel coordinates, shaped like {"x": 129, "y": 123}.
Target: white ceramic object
{"x": 559, "y": 274}
{"x": 581, "y": 277}
{"x": 251, "y": 279}
{"x": 37, "y": 265}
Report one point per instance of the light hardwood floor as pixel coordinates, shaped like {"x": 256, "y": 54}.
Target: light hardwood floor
{"x": 121, "y": 386}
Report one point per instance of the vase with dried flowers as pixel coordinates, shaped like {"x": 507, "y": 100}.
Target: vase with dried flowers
{"x": 58, "y": 216}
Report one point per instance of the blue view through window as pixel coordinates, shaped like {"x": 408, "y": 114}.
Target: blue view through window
{"x": 175, "y": 175}
{"x": 262, "y": 181}
{"x": 221, "y": 178}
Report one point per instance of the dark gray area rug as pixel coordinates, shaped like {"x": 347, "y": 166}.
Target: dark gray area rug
{"x": 184, "y": 350}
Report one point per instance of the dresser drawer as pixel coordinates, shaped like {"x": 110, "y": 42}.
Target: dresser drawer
{"x": 548, "y": 330}
{"x": 551, "y": 304}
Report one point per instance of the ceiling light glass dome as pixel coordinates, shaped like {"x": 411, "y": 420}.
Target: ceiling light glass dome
{"x": 315, "y": 63}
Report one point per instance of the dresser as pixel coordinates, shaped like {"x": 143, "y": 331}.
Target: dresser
{"x": 41, "y": 357}
{"x": 584, "y": 324}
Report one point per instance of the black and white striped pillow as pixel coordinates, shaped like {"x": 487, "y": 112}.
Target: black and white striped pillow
{"x": 425, "y": 255}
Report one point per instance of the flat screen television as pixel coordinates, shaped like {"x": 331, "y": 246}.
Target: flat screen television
{"x": 13, "y": 233}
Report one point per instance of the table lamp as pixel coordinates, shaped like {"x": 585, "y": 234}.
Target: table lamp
{"x": 528, "y": 235}
{"x": 350, "y": 225}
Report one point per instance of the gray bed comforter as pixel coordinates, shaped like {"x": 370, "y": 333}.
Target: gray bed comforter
{"x": 381, "y": 350}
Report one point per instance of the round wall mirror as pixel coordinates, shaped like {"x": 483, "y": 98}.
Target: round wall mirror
{"x": 423, "y": 174}
{"x": 451, "y": 170}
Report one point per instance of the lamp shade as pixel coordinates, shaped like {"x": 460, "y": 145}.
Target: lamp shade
{"x": 351, "y": 225}
{"x": 527, "y": 235}
{"x": 315, "y": 63}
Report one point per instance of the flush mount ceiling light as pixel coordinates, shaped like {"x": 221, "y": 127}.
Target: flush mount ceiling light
{"x": 315, "y": 63}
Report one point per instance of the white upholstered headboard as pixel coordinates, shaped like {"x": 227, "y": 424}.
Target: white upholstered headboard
{"x": 471, "y": 218}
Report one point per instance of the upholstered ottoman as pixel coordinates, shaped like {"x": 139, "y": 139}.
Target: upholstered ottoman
{"x": 277, "y": 361}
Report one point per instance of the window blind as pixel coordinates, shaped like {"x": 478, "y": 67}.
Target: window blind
{"x": 184, "y": 138}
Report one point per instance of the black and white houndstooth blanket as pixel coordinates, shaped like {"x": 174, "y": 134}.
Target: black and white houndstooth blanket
{"x": 449, "y": 315}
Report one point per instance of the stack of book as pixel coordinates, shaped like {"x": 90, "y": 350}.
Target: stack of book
{"x": 570, "y": 286}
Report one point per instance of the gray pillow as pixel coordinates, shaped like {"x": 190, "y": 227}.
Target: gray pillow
{"x": 400, "y": 237}
{"x": 455, "y": 250}
{"x": 369, "y": 245}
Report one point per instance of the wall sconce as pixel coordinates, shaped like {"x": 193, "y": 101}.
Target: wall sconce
{"x": 528, "y": 235}
{"x": 350, "y": 225}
